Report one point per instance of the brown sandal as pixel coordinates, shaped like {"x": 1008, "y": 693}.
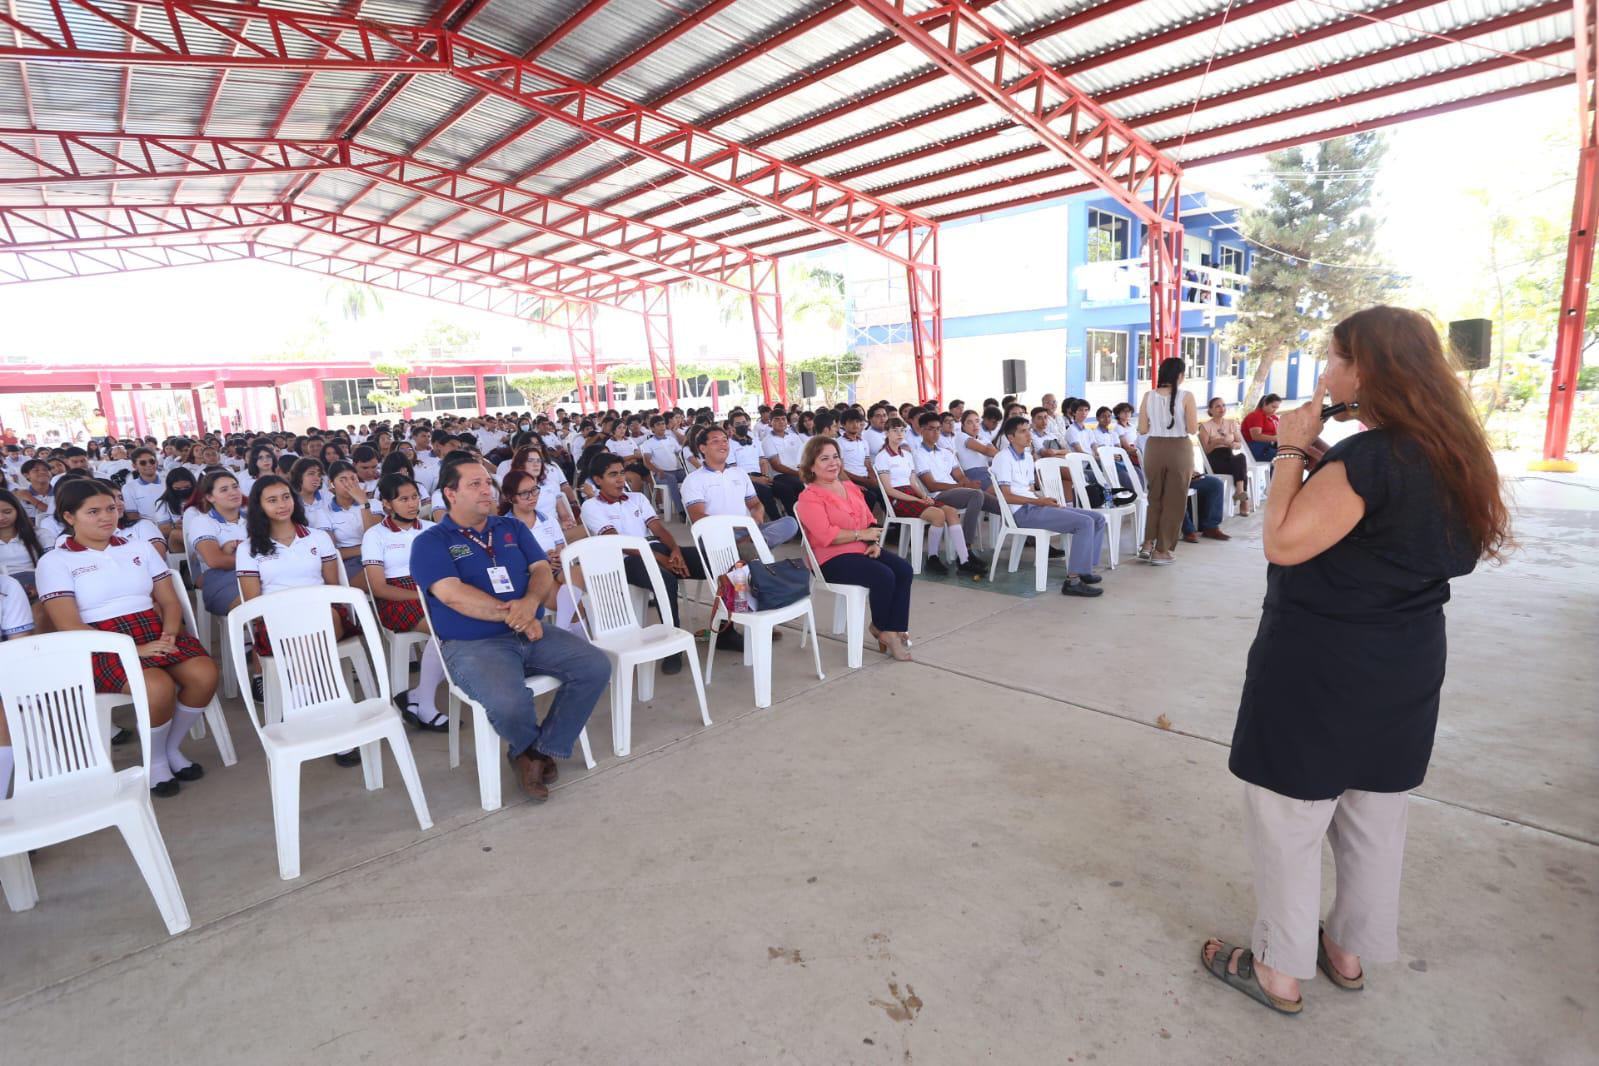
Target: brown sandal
{"x": 1324, "y": 964}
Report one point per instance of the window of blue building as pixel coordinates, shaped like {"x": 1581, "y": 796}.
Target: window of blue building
{"x": 1108, "y": 236}
{"x": 1107, "y": 358}
{"x": 1230, "y": 259}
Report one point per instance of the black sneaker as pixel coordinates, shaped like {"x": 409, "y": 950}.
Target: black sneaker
{"x": 1075, "y": 587}
{"x": 258, "y": 688}
{"x": 935, "y": 565}
{"x": 730, "y": 639}
{"x": 1057, "y": 553}
{"x": 121, "y": 737}
{"x": 974, "y": 564}
{"x": 673, "y": 664}
{"x": 1090, "y": 579}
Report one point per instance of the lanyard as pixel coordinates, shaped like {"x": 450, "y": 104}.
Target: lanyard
{"x": 486, "y": 545}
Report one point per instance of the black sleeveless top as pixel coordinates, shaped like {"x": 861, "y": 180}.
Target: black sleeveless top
{"x": 1341, "y": 688}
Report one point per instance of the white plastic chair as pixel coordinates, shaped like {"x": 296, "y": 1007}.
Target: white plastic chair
{"x": 485, "y": 741}
{"x": 64, "y": 784}
{"x": 107, "y": 702}
{"x": 1108, "y": 456}
{"x": 1259, "y": 478}
{"x": 849, "y": 606}
{"x": 716, "y": 537}
{"x": 615, "y": 627}
{"x": 352, "y": 649}
{"x": 1018, "y": 536}
{"x": 1229, "y": 506}
{"x": 1082, "y": 466}
{"x": 316, "y": 715}
{"x": 912, "y": 528}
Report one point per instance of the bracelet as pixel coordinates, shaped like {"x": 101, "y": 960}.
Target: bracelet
{"x": 1290, "y": 453}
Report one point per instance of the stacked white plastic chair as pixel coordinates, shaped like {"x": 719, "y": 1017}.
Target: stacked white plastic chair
{"x": 311, "y": 712}
{"x": 107, "y": 702}
{"x": 1081, "y": 467}
{"x": 617, "y": 628}
{"x": 64, "y": 785}
{"x": 849, "y": 605}
{"x": 716, "y": 537}
{"x": 485, "y": 742}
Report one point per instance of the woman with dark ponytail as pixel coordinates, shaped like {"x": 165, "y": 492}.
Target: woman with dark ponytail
{"x": 1168, "y": 417}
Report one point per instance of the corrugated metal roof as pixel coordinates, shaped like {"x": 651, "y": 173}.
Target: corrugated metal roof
{"x": 1252, "y": 73}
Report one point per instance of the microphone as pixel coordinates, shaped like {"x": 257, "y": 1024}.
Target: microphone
{"x": 1337, "y": 409}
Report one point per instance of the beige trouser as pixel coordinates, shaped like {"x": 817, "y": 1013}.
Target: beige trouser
{"x": 1367, "y": 833}
{"x": 1168, "y": 465}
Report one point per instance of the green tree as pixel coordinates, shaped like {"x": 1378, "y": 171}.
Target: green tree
{"x": 543, "y": 391}
{"x": 388, "y": 396}
{"x": 1315, "y": 257}
{"x": 61, "y": 409}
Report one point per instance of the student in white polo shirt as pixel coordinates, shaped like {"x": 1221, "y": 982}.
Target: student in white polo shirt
{"x": 974, "y": 448}
{"x": 782, "y": 451}
{"x": 876, "y": 428}
{"x": 660, "y": 452}
{"x": 348, "y": 516}
{"x": 98, "y": 580}
{"x": 538, "y": 505}
{"x": 20, "y": 546}
{"x": 615, "y": 509}
{"x": 141, "y": 491}
{"x": 718, "y": 487}
{"x": 896, "y": 465}
{"x": 1013, "y": 472}
{"x": 386, "y": 557}
{"x": 856, "y": 452}
{"x": 213, "y": 537}
{"x": 939, "y": 471}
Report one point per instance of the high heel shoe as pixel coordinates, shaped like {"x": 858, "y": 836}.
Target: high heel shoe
{"x": 896, "y": 647}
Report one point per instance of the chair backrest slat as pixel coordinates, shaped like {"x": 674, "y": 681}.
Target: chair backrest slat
{"x": 305, "y": 655}
{"x": 608, "y": 606}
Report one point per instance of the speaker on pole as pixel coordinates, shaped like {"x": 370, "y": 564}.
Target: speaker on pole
{"x": 1015, "y": 376}
{"x": 807, "y": 384}
{"x": 1473, "y": 342}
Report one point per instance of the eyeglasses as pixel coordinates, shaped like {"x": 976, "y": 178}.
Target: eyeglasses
{"x": 529, "y": 494}
{"x": 146, "y": 462}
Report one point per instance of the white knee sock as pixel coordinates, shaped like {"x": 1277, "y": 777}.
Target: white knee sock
{"x": 160, "y": 770}
{"x": 5, "y": 770}
{"x": 935, "y": 537}
{"x": 424, "y": 699}
{"x": 957, "y": 540}
{"x": 182, "y": 721}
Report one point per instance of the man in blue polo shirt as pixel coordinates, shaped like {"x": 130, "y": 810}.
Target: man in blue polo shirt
{"x": 485, "y": 576}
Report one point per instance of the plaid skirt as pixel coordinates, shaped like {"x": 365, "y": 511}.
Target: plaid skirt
{"x": 263, "y": 643}
{"x": 910, "y": 508}
{"x": 400, "y": 616}
{"x": 143, "y": 627}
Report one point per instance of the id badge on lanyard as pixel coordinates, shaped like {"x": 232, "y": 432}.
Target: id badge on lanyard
{"x": 499, "y": 576}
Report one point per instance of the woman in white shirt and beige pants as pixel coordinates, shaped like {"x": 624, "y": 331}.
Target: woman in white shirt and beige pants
{"x": 1168, "y": 416}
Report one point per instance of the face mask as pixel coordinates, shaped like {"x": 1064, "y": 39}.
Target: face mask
{"x": 525, "y": 427}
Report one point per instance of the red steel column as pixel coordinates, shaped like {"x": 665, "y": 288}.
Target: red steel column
{"x": 482, "y": 393}
{"x": 766, "y": 305}
{"x": 136, "y": 401}
{"x": 199, "y": 412}
{"x": 277, "y": 405}
{"x": 1571, "y": 328}
{"x": 222, "y": 407}
{"x": 107, "y": 406}
{"x": 319, "y": 400}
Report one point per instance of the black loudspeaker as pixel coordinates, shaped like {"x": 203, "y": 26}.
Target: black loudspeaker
{"x": 1473, "y": 342}
{"x": 1015, "y": 377}
{"x": 807, "y": 384}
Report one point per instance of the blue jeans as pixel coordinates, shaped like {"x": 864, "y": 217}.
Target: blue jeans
{"x": 1264, "y": 451}
{"x": 673, "y": 480}
{"x": 1210, "y": 492}
{"x": 1086, "y": 527}
{"x": 492, "y": 671}
{"x": 888, "y": 586}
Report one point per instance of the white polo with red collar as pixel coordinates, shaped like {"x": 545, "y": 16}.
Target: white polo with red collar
{"x": 110, "y": 582}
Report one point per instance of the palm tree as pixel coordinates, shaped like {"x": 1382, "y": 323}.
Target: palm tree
{"x": 354, "y": 299}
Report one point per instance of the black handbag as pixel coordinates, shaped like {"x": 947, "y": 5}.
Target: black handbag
{"x": 778, "y": 584}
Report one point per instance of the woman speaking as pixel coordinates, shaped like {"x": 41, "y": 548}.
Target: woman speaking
{"x": 1340, "y": 699}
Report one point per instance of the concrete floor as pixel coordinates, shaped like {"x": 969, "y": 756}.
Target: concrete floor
{"x": 993, "y": 854}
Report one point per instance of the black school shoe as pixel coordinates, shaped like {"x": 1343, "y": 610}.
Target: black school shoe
{"x": 165, "y": 790}
{"x": 1090, "y": 579}
{"x": 121, "y": 737}
{"x": 1073, "y": 586}
{"x": 974, "y": 564}
{"x": 348, "y": 758}
{"x": 672, "y": 664}
{"x": 192, "y": 772}
{"x": 935, "y": 565}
